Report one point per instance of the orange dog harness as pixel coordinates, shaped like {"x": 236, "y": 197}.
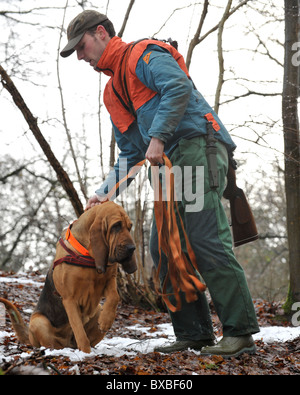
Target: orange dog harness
{"x": 82, "y": 259}
{"x": 74, "y": 259}
{"x": 75, "y": 243}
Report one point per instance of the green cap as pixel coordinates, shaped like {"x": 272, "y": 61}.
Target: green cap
{"x": 79, "y": 26}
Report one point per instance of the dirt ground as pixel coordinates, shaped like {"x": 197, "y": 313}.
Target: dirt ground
{"x": 270, "y": 359}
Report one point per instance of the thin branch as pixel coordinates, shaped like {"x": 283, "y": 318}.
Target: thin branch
{"x": 195, "y": 40}
{"x": 5, "y": 13}
{"x": 69, "y": 137}
{"x": 271, "y": 236}
{"x": 261, "y": 43}
{"x": 33, "y": 125}
{"x": 107, "y": 5}
{"x": 173, "y": 12}
{"x": 9, "y": 15}
{"x": 100, "y": 125}
{"x": 250, "y": 93}
{"x": 221, "y": 57}
{"x": 241, "y": 4}
{"x": 3, "y": 179}
{"x": 121, "y": 32}
{"x": 25, "y": 227}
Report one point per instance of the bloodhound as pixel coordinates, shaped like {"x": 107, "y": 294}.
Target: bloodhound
{"x": 68, "y": 313}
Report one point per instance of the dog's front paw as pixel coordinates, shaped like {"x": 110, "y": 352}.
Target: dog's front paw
{"x": 105, "y": 324}
{"x": 85, "y": 347}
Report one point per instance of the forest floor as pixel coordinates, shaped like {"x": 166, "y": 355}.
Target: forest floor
{"x": 128, "y": 348}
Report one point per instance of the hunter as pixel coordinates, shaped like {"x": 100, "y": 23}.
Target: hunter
{"x": 156, "y": 109}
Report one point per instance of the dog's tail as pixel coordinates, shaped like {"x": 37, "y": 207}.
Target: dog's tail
{"x": 18, "y": 324}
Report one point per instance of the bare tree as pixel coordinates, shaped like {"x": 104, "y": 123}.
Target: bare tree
{"x": 220, "y": 55}
{"x": 292, "y": 145}
{"x": 121, "y": 32}
{"x": 64, "y": 117}
{"x": 197, "y": 39}
{"x": 33, "y": 210}
{"x": 63, "y": 177}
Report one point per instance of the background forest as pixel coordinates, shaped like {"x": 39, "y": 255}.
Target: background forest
{"x": 236, "y": 55}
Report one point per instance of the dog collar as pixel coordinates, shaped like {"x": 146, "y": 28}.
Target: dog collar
{"x": 75, "y": 243}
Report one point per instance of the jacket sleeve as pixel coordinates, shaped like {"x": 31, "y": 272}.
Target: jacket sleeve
{"x": 160, "y": 72}
{"x": 130, "y": 155}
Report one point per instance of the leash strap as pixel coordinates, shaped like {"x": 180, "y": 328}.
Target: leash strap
{"x": 132, "y": 173}
{"x": 182, "y": 270}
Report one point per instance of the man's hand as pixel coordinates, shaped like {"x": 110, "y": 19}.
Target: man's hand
{"x": 94, "y": 201}
{"x": 155, "y": 152}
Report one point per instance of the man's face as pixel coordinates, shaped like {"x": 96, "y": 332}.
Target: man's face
{"x": 91, "y": 47}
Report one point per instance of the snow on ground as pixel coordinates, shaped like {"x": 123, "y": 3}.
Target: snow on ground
{"x": 118, "y": 346}
{"x": 23, "y": 280}
{"x": 278, "y": 334}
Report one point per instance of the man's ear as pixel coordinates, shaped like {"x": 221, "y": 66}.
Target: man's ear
{"x": 98, "y": 244}
{"x": 102, "y": 32}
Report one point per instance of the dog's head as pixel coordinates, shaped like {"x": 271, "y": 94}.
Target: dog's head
{"x": 110, "y": 239}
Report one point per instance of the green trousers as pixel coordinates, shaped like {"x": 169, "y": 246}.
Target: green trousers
{"x": 209, "y": 234}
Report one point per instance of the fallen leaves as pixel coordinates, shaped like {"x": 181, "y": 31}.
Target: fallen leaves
{"x": 270, "y": 359}
{"x": 212, "y": 363}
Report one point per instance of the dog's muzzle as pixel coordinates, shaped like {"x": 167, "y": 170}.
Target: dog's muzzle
{"x": 128, "y": 262}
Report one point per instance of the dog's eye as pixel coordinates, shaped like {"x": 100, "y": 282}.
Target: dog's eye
{"x": 117, "y": 227}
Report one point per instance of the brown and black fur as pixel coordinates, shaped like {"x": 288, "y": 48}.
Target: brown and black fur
{"x": 68, "y": 313}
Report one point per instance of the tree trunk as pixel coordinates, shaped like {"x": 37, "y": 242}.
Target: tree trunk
{"x": 292, "y": 146}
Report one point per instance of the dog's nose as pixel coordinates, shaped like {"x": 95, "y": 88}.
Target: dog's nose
{"x": 130, "y": 249}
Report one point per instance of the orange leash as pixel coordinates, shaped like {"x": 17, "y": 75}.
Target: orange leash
{"x": 133, "y": 171}
{"x": 181, "y": 269}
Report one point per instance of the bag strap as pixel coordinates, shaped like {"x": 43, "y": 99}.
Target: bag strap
{"x": 124, "y": 71}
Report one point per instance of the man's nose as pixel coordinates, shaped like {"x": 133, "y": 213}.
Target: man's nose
{"x": 79, "y": 55}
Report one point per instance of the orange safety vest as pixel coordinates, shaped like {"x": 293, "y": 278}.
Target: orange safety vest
{"x": 124, "y": 93}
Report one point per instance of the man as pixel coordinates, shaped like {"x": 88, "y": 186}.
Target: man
{"x": 156, "y": 109}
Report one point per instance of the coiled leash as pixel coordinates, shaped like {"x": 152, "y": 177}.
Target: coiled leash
{"x": 182, "y": 270}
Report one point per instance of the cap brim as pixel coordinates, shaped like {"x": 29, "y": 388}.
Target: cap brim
{"x": 69, "y": 48}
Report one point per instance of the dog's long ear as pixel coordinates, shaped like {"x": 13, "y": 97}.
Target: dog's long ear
{"x": 98, "y": 244}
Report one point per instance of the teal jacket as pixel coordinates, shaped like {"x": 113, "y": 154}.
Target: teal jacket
{"x": 175, "y": 113}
